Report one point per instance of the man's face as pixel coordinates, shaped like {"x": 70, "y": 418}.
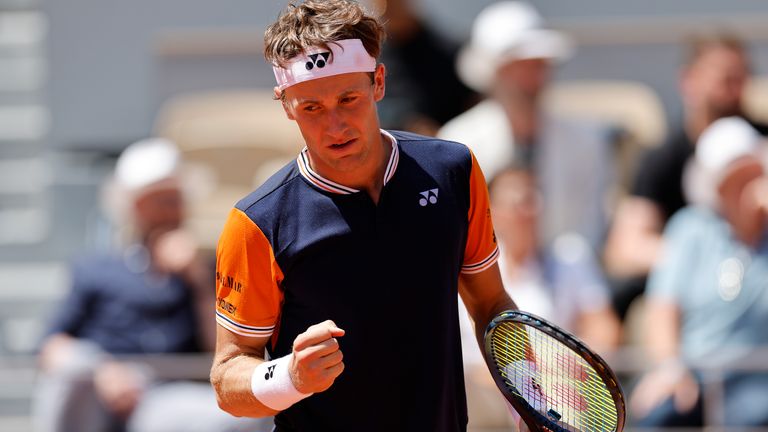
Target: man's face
{"x": 337, "y": 117}
{"x": 715, "y": 82}
{"x": 158, "y": 211}
{"x": 737, "y": 200}
{"x": 515, "y": 206}
{"x": 526, "y": 78}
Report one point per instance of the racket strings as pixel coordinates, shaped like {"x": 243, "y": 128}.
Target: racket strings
{"x": 552, "y": 379}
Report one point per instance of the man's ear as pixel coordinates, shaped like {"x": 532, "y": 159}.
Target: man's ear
{"x": 279, "y": 96}
{"x": 379, "y": 82}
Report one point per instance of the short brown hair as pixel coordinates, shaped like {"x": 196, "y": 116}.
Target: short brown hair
{"x": 318, "y": 22}
{"x": 699, "y": 44}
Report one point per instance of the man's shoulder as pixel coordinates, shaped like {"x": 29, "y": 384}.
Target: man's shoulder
{"x": 275, "y": 187}
{"x": 408, "y": 140}
{"x": 96, "y": 269}
{"x": 430, "y": 150}
{"x": 96, "y": 260}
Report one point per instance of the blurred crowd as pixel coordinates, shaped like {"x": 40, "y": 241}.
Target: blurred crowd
{"x": 676, "y": 256}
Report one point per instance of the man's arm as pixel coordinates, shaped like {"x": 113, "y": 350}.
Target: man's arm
{"x": 668, "y": 376}
{"x": 315, "y": 363}
{"x": 484, "y": 296}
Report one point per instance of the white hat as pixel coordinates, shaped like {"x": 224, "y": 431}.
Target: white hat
{"x": 145, "y": 163}
{"x": 503, "y": 32}
{"x": 140, "y": 168}
{"x": 725, "y": 141}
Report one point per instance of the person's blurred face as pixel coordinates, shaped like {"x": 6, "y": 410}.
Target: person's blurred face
{"x": 715, "y": 82}
{"x": 525, "y": 78}
{"x": 158, "y": 210}
{"x": 338, "y": 119}
{"x": 738, "y": 203}
{"x": 515, "y": 206}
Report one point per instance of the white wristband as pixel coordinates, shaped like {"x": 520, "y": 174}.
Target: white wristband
{"x": 271, "y": 384}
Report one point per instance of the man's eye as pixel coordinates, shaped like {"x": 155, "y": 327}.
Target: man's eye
{"x": 348, "y": 99}
{"x": 311, "y": 108}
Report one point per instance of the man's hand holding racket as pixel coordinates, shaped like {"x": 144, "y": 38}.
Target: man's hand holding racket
{"x": 317, "y": 359}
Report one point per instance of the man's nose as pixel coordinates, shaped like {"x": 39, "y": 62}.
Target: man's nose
{"x": 336, "y": 124}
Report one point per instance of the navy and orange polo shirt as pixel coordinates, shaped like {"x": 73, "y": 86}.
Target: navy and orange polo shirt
{"x": 302, "y": 249}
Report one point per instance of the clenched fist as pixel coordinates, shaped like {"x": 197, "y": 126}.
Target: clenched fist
{"x": 317, "y": 359}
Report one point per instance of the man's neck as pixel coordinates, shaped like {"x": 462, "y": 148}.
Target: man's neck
{"x": 374, "y": 182}
{"x": 369, "y": 176}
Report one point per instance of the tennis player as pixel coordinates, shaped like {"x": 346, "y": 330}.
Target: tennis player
{"x": 337, "y": 279}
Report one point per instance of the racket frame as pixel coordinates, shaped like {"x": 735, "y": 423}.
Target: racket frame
{"x": 532, "y": 418}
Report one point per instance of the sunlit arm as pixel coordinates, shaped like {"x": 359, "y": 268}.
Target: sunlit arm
{"x": 235, "y": 359}
{"x": 484, "y": 296}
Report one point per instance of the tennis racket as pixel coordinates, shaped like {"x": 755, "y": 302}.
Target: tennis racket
{"x": 552, "y": 379}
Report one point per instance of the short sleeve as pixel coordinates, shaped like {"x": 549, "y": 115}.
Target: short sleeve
{"x": 481, "y": 251}
{"x": 248, "y": 278}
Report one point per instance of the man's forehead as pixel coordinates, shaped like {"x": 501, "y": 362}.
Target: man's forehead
{"x": 328, "y": 87}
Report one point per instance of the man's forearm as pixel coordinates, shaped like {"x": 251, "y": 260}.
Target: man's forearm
{"x": 231, "y": 379}
{"x": 503, "y": 303}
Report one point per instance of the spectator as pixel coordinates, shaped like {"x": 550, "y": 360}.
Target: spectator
{"x": 423, "y": 90}
{"x": 707, "y": 297}
{"x": 562, "y": 283}
{"x": 155, "y": 296}
{"x": 712, "y": 82}
{"x": 510, "y": 58}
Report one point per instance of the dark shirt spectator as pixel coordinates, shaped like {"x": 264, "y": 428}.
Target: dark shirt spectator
{"x": 659, "y": 178}
{"x": 712, "y": 83}
{"x": 154, "y": 296}
{"x": 116, "y": 303}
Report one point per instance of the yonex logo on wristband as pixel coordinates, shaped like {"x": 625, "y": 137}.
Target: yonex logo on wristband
{"x": 319, "y": 60}
{"x": 276, "y": 390}
{"x": 270, "y": 372}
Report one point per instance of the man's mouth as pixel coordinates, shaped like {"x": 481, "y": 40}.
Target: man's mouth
{"x": 342, "y": 145}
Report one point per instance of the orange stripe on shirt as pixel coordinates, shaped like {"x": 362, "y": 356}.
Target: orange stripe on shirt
{"x": 248, "y": 294}
{"x": 481, "y": 251}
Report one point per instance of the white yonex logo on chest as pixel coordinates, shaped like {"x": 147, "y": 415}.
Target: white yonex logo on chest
{"x": 318, "y": 60}
{"x": 428, "y": 197}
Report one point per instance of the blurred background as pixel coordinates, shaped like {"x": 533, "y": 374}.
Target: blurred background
{"x": 80, "y": 80}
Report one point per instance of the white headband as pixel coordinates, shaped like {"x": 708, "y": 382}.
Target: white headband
{"x": 346, "y": 56}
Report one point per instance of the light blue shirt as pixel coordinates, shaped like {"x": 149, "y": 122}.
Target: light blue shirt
{"x": 720, "y": 285}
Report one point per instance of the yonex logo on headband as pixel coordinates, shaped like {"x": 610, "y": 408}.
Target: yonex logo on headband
{"x": 345, "y": 56}
{"x": 315, "y": 60}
